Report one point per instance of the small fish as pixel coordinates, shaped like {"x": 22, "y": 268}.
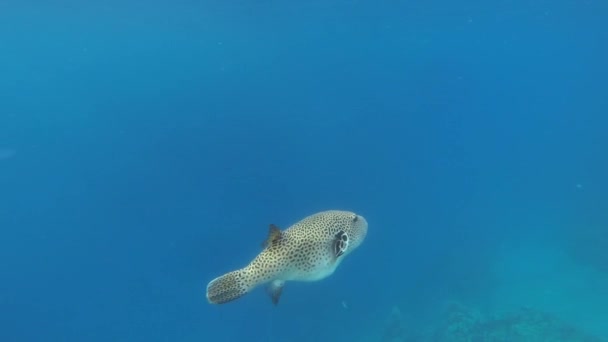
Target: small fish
{"x": 309, "y": 250}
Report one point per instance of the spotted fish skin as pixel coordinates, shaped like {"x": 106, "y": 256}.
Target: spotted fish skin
{"x": 309, "y": 250}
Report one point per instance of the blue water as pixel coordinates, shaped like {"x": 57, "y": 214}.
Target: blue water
{"x": 145, "y": 148}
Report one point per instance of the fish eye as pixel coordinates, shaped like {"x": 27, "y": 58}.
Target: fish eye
{"x": 355, "y": 218}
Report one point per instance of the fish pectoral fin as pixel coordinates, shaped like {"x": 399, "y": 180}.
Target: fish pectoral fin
{"x": 274, "y": 289}
{"x": 340, "y": 244}
{"x": 274, "y": 236}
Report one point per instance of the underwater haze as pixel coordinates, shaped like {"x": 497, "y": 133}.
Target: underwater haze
{"x": 145, "y": 147}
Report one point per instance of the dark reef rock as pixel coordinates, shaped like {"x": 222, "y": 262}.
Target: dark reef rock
{"x": 589, "y": 245}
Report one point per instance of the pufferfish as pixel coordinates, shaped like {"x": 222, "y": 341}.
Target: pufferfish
{"x": 309, "y": 250}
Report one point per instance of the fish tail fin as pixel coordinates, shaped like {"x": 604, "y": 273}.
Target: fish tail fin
{"x": 229, "y": 287}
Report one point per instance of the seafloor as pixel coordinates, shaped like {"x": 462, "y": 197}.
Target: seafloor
{"x": 537, "y": 293}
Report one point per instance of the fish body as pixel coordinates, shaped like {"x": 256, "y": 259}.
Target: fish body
{"x": 310, "y": 250}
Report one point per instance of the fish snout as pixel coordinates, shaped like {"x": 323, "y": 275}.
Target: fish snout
{"x": 359, "y": 230}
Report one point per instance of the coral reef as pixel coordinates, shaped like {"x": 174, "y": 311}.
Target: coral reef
{"x": 460, "y": 323}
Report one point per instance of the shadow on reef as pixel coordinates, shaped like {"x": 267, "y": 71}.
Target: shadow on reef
{"x": 589, "y": 245}
{"x": 460, "y": 323}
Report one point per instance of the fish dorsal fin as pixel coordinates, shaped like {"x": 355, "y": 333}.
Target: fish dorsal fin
{"x": 274, "y": 236}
